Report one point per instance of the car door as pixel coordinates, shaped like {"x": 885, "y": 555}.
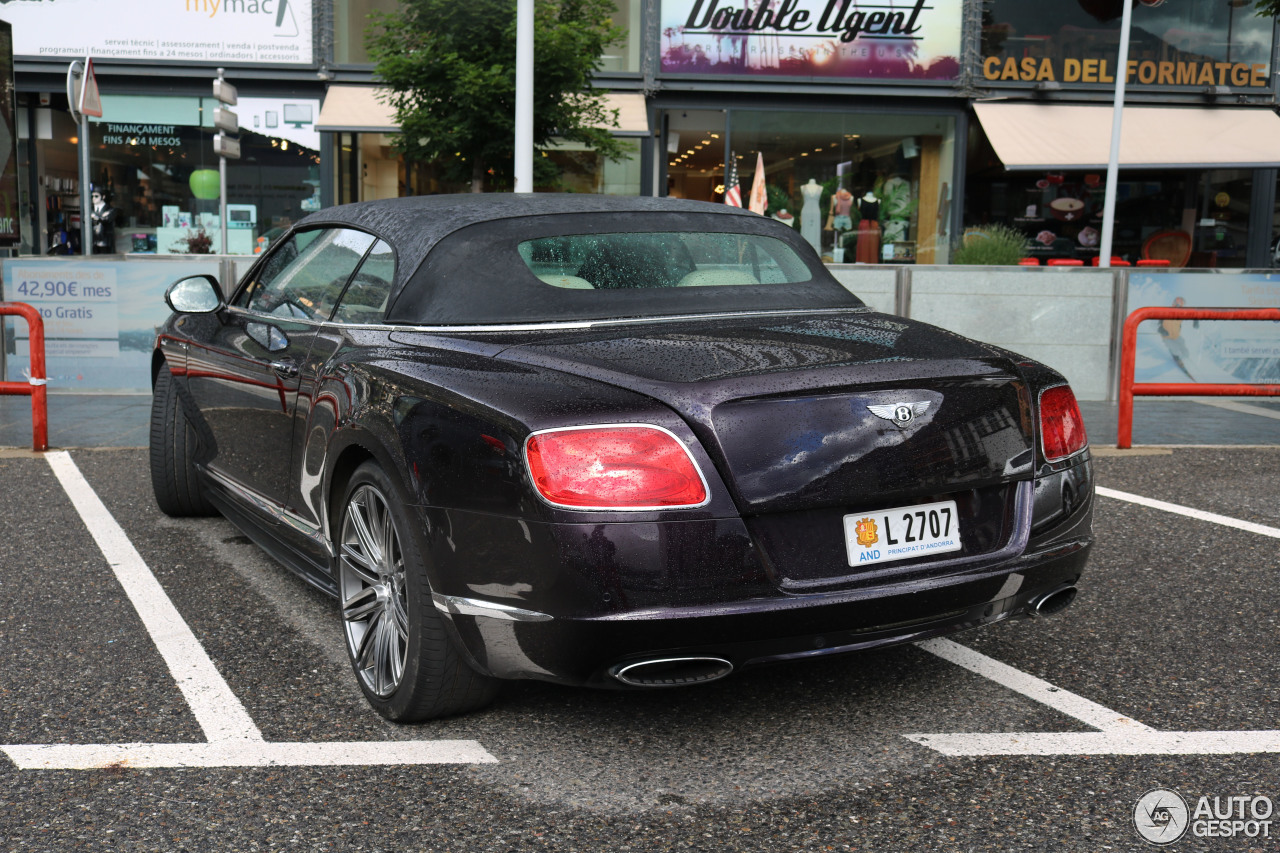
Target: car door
{"x": 244, "y": 377}
{"x": 325, "y": 396}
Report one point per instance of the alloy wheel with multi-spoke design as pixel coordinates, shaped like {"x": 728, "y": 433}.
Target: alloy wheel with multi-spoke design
{"x": 372, "y": 587}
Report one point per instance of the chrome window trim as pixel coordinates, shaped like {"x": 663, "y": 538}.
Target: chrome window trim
{"x": 591, "y": 324}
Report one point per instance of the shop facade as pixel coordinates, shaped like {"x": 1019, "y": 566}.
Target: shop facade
{"x": 884, "y": 131}
{"x": 960, "y": 115}
{"x": 1197, "y": 183}
{"x": 151, "y": 154}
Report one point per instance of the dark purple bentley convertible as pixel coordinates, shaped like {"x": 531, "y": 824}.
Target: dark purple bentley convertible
{"x": 609, "y": 442}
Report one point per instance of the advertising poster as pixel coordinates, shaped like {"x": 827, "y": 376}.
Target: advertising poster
{"x": 9, "y": 229}
{"x": 100, "y": 319}
{"x": 78, "y": 304}
{"x": 1212, "y": 351}
{"x": 881, "y": 40}
{"x": 261, "y": 32}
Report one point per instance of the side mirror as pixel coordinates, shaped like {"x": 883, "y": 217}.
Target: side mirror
{"x": 197, "y": 294}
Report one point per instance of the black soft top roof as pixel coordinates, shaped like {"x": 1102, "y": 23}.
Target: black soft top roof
{"x": 498, "y": 288}
{"x": 415, "y": 224}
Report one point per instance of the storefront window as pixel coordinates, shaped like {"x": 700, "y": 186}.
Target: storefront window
{"x": 580, "y": 169}
{"x": 868, "y": 187}
{"x": 1075, "y": 42}
{"x": 152, "y": 159}
{"x": 625, "y": 54}
{"x": 1194, "y": 218}
{"x": 562, "y": 167}
{"x": 350, "y": 20}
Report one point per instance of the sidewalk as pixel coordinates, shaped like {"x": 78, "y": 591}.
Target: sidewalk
{"x": 110, "y": 420}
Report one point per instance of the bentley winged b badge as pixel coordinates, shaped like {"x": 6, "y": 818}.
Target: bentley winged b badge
{"x": 901, "y": 414}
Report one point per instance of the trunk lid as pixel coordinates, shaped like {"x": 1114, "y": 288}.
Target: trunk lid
{"x": 809, "y": 418}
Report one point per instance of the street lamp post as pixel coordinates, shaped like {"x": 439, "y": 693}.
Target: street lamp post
{"x": 1113, "y": 161}
{"x": 524, "y": 97}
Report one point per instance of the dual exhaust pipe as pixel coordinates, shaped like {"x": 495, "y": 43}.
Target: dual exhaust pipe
{"x": 1053, "y": 601}
{"x": 682, "y": 671}
{"x": 671, "y": 672}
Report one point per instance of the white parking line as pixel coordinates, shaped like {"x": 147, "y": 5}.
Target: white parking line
{"x": 1063, "y": 701}
{"x": 216, "y": 708}
{"x": 1188, "y": 512}
{"x": 1118, "y": 735}
{"x": 1147, "y": 742}
{"x": 234, "y": 739}
{"x": 58, "y": 756}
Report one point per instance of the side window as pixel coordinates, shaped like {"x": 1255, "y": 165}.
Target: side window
{"x": 305, "y": 275}
{"x": 366, "y": 298}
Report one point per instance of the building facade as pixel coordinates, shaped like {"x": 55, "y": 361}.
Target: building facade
{"x": 884, "y": 131}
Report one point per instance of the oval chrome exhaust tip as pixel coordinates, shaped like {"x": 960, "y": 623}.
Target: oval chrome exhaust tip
{"x": 671, "y": 672}
{"x": 1054, "y": 601}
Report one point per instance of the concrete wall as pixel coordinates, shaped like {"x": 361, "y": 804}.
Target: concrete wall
{"x": 1066, "y": 318}
{"x": 1060, "y": 317}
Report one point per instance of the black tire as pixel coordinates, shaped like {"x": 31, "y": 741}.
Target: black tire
{"x": 173, "y": 447}
{"x": 399, "y": 646}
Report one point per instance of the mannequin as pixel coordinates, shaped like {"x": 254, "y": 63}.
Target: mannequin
{"x": 104, "y": 218}
{"x": 811, "y": 216}
{"x": 841, "y": 205}
{"x": 869, "y": 229}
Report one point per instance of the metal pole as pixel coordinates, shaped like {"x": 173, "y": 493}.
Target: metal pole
{"x": 222, "y": 204}
{"x": 86, "y": 209}
{"x": 524, "y": 97}
{"x": 222, "y": 197}
{"x": 1113, "y": 162}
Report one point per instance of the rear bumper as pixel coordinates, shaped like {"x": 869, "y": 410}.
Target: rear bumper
{"x": 593, "y": 598}
{"x": 749, "y": 633}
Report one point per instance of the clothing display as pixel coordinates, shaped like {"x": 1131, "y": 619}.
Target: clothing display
{"x": 811, "y": 215}
{"x": 869, "y": 230}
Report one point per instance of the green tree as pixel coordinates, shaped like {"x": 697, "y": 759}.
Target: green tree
{"x": 450, "y": 69}
{"x": 1267, "y": 8}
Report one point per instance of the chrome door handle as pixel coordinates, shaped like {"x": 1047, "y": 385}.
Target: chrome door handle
{"x": 286, "y": 368}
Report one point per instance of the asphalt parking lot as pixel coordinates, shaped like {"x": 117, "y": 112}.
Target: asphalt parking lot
{"x": 231, "y": 721}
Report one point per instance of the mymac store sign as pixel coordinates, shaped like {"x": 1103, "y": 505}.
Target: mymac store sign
{"x": 256, "y": 32}
{"x": 885, "y": 39}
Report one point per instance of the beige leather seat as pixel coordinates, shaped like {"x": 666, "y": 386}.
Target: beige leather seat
{"x": 706, "y": 278}
{"x": 572, "y": 282}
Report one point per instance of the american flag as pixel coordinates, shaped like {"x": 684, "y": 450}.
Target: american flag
{"x": 733, "y": 192}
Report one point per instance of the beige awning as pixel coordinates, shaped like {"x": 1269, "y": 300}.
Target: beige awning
{"x": 1040, "y": 137}
{"x": 358, "y": 109}
{"x": 633, "y": 118}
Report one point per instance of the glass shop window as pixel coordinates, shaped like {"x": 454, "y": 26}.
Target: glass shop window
{"x": 350, "y": 20}
{"x": 866, "y": 188}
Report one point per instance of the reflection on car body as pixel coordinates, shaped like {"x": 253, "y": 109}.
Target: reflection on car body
{"x": 608, "y": 442}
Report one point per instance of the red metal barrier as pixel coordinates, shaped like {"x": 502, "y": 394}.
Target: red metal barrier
{"x": 1129, "y": 347}
{"x": 34, "y": 387}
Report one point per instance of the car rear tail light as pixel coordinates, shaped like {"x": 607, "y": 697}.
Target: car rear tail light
{"x": 614, "y": 467}
{"x": 1061, "y": 425}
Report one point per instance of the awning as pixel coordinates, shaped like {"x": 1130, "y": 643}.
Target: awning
{"x": 358, "y": 109}
{"x": 1040, "y": 137}
{"x": 633, "y": 118}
